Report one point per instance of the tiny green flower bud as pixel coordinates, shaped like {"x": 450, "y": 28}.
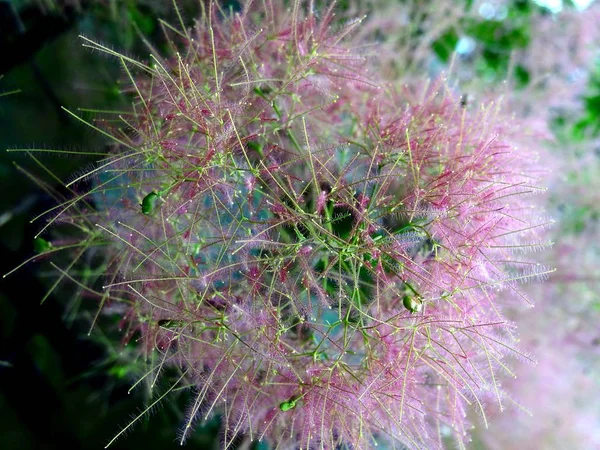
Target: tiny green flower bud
{"x": 289, "y": 404}
{"x": 413, "y": 304}
{"x": 41, "y": 245}
{"x": 149, "y": 203}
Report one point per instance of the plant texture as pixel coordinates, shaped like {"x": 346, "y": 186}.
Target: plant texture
{"x": 324, "y": 257}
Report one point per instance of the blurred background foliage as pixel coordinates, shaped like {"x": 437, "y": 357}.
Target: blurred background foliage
{"x": 63, "y": 388}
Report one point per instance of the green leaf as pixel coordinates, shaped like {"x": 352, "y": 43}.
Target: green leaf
{"x": 47, "y": 360}
{"x": 445, "y": 45}
{"x": 521, "y": 76}
{"x": 145, "y": 22}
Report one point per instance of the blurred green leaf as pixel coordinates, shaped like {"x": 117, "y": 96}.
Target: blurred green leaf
{"x": 444, "y": 46}
{"x": 47, "y": 360}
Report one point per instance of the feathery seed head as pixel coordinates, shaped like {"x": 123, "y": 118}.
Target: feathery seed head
{"x": 320, "y": 254}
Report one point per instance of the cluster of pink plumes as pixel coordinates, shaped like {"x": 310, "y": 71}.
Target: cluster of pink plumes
{"x": 325, "y": 257}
